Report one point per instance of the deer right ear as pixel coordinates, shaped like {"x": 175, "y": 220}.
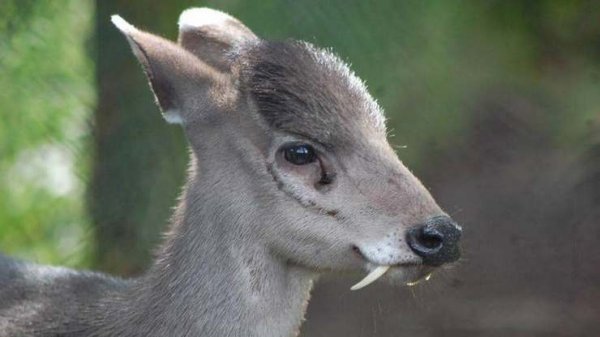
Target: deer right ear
{"x": 181, "y": 83}
{"x": 212, "y": 35}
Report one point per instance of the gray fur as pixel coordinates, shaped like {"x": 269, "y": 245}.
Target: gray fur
{"x": 251, "y": 231}
{"x": 307, "y": 91}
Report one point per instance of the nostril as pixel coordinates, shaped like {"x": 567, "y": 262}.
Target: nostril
{"x": 436, "y": 242}
{"x": 425, "y": 241}
{"x": 431, "y": 239}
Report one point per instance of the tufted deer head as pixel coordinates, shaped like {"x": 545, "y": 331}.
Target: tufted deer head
{"x": 289, "y": 156}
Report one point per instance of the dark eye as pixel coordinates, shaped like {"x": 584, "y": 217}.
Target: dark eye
{"x": 301, "y": 154}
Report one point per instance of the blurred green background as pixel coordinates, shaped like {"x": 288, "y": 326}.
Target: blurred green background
{"x": 495, "y": 104}
{"x": 46, "y": 100}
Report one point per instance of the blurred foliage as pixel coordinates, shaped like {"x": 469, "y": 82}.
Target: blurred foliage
{"x": 45, "y": 100}
{"x": 429, "y": 63}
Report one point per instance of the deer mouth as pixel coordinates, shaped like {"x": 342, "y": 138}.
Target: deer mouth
{"x": 409, "y": 274}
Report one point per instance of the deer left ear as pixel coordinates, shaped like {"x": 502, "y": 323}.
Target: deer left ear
{"x": 182, "y": 84}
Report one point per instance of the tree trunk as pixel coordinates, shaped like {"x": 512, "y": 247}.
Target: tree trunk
{"x": 139, "y": 160}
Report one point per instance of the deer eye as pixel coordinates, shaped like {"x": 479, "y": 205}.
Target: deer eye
{"x": 300, "y": 154}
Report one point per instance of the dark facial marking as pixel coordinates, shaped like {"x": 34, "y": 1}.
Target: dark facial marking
{"x": 307, "y": 203}
{"x": 309, "y": 92}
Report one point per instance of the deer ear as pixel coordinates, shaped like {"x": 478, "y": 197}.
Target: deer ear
{"x": 181, "y": 83}
{"x": 212, "y": 35}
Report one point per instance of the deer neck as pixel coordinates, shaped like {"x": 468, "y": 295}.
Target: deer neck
{"x": 214, "y": 278}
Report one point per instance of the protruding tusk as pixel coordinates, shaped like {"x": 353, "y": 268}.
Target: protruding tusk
{"x": 410, "y": 284}
{"x": 414, "y": 283}
{"x": 372, "y": 277}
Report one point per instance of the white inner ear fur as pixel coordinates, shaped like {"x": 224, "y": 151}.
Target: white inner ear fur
{"x": 194, "y": 18}
{"x": 128, "y": 29}
{"x": 122, "y": 25}
{"x": 172, "y": 116}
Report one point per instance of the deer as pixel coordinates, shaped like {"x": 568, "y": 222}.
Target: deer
{"x": 291, "y": 176}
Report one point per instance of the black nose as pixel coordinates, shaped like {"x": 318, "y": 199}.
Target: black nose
{"x": 436, "y": 241}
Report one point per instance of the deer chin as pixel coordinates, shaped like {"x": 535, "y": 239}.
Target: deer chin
{"x": 409, "y": 275}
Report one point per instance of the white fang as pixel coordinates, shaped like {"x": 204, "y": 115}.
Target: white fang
{"x": 372, "y": 277}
